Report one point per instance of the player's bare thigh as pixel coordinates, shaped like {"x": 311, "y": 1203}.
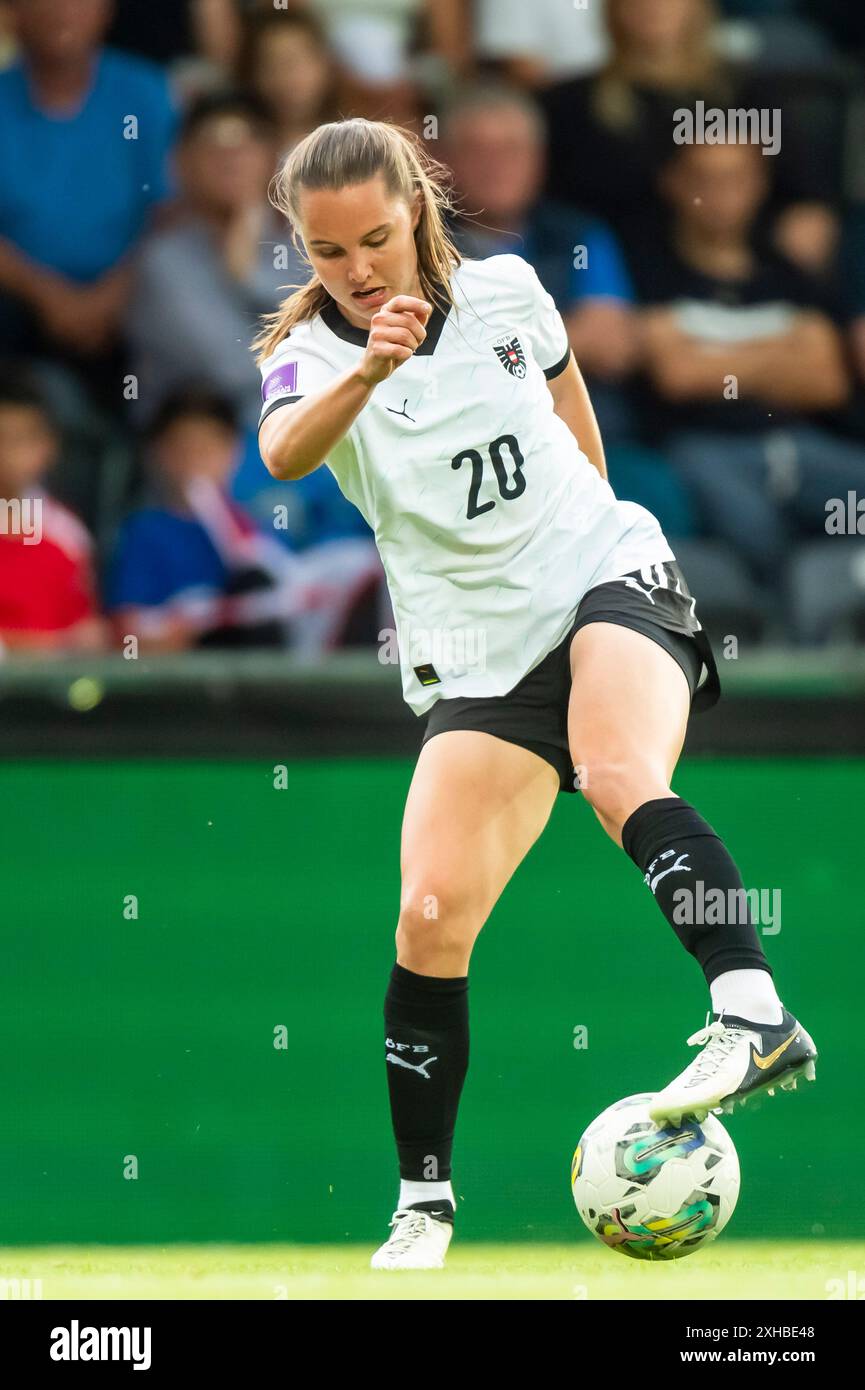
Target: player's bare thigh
{"x": 627, "y": 717}
{"x": 475, "y": 807}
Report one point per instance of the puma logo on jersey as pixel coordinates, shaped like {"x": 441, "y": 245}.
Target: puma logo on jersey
{"x": 402, "y": 412}
{"x": 401, "y": 1062}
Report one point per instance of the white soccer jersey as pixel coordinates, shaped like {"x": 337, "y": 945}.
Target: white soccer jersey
{"x": 490, "y": 521}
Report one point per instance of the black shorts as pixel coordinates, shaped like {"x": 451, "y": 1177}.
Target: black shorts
{"x": 655, "y": 601}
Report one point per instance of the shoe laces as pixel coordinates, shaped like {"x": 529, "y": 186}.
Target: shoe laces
{"x": 718, "y": 1042}
{"x": 411, "y": 1225}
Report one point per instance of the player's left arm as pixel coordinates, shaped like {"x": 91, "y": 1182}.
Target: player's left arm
{"x": 572, "y": 404}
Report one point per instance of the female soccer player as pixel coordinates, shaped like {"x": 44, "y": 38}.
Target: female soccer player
{"x": 544, "y": 625}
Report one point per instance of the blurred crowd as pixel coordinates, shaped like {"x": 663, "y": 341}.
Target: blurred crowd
{"x": 714, "y": 293}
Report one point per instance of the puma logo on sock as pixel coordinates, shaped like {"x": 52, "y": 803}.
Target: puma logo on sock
{"x": 401, "y": 1062}
{"x": 679, "y": 866}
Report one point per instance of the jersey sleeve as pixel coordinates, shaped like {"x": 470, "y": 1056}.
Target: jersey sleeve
{"x": 292, "y": 372}
{"x": 545, "y": 326}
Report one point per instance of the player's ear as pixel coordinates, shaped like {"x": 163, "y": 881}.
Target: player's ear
{"x": 417, "y": 209}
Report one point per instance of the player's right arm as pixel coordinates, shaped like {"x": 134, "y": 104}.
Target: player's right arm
{"x": 295, "y": 441}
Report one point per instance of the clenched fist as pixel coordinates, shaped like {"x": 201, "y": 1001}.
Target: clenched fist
{"x": 396, "y": 331}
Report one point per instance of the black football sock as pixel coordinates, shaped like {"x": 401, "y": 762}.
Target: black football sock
{"x": 426, "y": 1022}
{"x": 695, "y": 884}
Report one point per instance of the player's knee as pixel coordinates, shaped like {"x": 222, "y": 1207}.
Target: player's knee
{"x": 613, "y": 788}
{"x": 434, "y": 918}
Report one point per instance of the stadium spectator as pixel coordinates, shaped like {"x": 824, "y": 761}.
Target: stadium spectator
{"x": 493, "y": 141}
{"x": 161, "y": 30}
{"x": 201, "y": 41}
{"x": 191, "y": 568}
{"x": 188, "y": 563}
{"x": 850, "y": 292}
{"x": 287, "y": 63}
{"x": 778, "y": 34}
{"x": 450, "y": 36}
{"x": 741, "y": 352}
{"x": 371, "y": 42}
{"x": 845, "y": 22}
{"x": 542, "y": 42}
{"x": 611, "y": 132}
{"x": 7, "y": 37}
{"x": 216, "y": 33}
{"x": 84, "y": 134}
{"x": 385, "y": 48}
{"x": 202, "y": 283}
{"x": 312, "y": 511}
{"x": 372, "y": 38}
{"x": 47, "y": 600}
{"x": 791, "y": 50}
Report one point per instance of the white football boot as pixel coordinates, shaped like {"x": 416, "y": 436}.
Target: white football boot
{"x": 739, "y": 1059}
{"x": 417, "y": 1241}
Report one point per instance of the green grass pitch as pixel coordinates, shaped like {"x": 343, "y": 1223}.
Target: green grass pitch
{"x": 771, "y": 1270}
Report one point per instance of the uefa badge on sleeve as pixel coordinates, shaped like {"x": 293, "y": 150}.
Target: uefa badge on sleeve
{"x": 281, "y": 382}
{"x": 510, "y": 353}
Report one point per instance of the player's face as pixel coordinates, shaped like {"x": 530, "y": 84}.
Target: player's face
{"x": 360, "y": 240}
{"x": 27, "y": 448}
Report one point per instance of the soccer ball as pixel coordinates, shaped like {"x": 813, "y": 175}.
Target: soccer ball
{"x": 654, "y": 1192}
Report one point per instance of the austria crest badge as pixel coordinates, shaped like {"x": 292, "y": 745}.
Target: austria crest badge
{"x": 510, "y": 353}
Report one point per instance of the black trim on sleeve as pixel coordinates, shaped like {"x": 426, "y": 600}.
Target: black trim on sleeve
{"x": 552, "y": 372}
{"x": 275, "y": 404}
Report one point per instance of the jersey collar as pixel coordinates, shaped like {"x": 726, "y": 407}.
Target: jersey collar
{"x": 334, "y": 319}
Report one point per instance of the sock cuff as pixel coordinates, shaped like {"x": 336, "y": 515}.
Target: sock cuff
{"x": 426, "y": 1000}
{"x": 408, "y": 983}
{"x": 654, "y": 825}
